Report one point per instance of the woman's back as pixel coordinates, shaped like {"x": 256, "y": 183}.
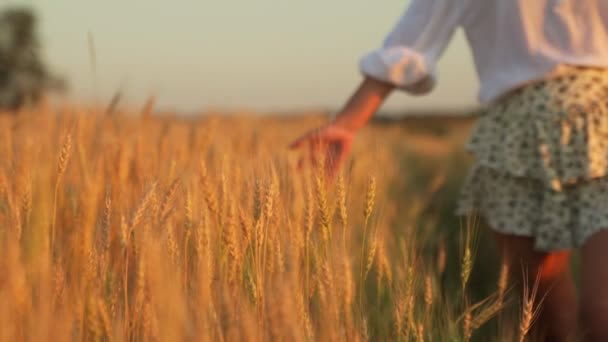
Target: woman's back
{"x": 513, "y": 41}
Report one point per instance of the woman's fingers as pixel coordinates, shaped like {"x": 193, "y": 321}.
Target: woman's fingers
{"x": 310, "y": 155}
{"x": 317, "y": 136}
{"x": 311, "y": 138}
{"x": 318, "y": 153}
{"x": 336, "y": 155}
{"x": 328, "y": 146}
{"x": 331, "y": 157}
{"x": 298, "y": 143}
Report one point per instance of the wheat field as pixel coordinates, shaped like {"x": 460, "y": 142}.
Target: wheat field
{"x": 133, "y": 227}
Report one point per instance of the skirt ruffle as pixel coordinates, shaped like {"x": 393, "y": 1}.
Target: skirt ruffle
{"x": 555, "y": 131}
{"x": 545, "y": 146}
{"x": 558, "y": 220}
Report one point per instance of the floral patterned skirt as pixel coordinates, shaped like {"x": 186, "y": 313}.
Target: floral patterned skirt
{"x": 541, "y": 161}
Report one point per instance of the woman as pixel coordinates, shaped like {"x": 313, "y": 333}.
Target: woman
{"x": 541, "y": 144}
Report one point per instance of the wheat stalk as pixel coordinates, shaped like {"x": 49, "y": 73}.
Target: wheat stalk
{"x": 467, "y": 323}
{"x": 138, "y": 215}
{"x": 428, "y": 294}
{"x": 26, "y": 203}
{"x": 369, "y": 204}
{"x": 371, "y": 255}
{"x": 343, "y": 214}
{"x": 530, "y": 306}
{"x": 486, "y": 314}
{"x": 323, "y": 208}
{"x": 503, "y": 281}
{"x": 166, "y": 203}
{"x": 64, "y": 157}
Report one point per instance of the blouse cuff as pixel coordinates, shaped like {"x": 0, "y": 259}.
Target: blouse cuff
{"x": 401, "y": 67}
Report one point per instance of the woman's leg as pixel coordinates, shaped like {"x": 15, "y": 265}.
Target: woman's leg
{"x": 595, "y": 287}
{"x": 558, "y": 312}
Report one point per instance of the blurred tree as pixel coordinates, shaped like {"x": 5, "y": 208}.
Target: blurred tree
{"x": 24, "y": 78}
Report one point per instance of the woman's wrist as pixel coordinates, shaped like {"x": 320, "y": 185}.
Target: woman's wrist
{"x": 348, "y": 121}
{"x": 363, "y": 104}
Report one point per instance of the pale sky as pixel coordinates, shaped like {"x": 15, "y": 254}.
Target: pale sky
{"x": 225, "y": 54}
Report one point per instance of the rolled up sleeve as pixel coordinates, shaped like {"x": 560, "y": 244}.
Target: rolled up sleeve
{"x": 410, "y": 52}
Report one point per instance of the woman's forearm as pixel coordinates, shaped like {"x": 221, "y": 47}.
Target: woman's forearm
{"x": 362, "y": 105}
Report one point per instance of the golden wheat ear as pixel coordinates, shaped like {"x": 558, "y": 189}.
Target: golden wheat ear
{"x": 531, "y": 305}
{"x": 62, "y": 164}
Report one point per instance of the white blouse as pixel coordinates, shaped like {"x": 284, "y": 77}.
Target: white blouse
{"x": 513, "y": 42}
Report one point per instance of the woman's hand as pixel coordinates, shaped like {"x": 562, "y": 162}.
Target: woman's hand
{"x": 333, "y": 141}
{"x": 329, "y": 144}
